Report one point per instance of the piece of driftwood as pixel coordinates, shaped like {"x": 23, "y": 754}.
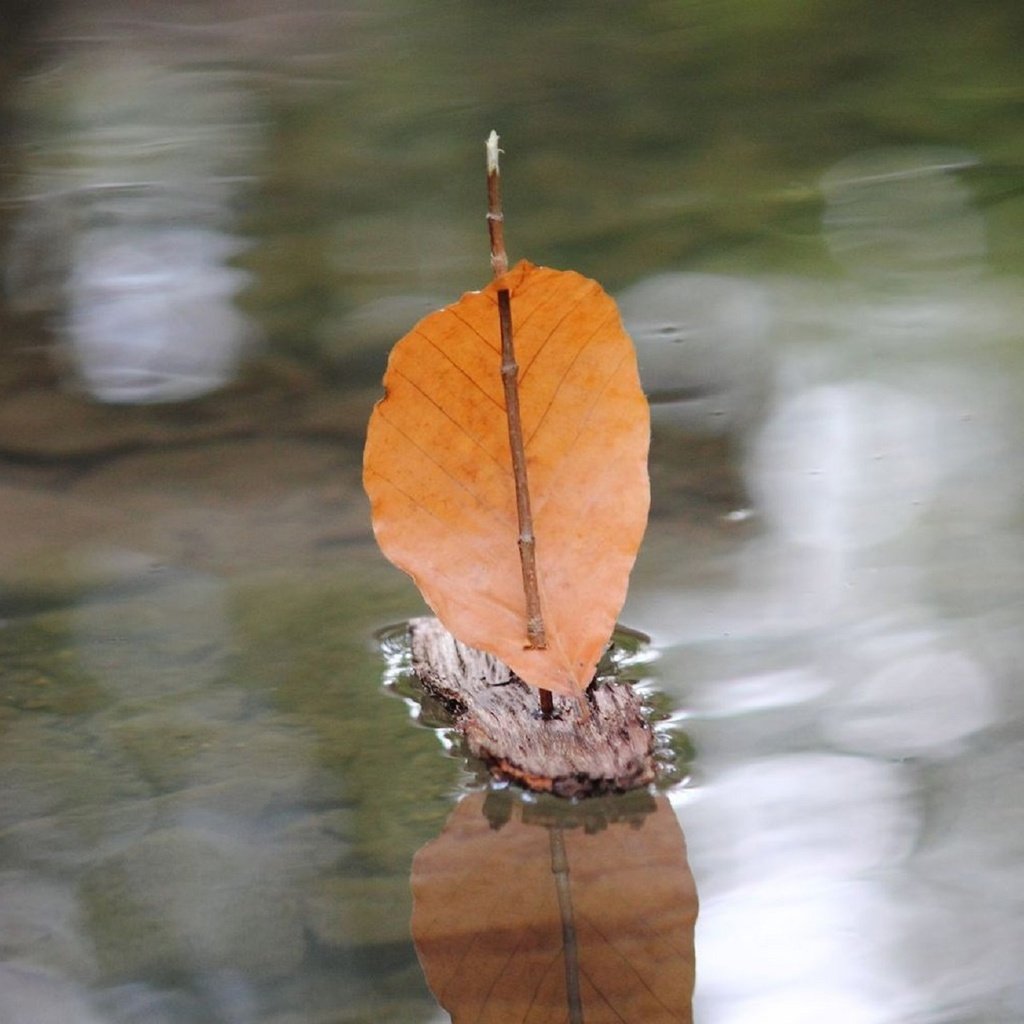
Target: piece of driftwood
{"x": 600, "y": 743}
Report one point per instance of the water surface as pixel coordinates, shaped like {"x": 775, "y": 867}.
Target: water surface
{"x": 216, "y": 221}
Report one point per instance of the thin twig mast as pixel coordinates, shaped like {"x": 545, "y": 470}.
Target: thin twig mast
{"x": 535, "y": 633}
{"x": 495, "y": 214}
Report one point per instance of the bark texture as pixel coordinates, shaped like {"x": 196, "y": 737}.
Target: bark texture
{"x": 600, "y": 743}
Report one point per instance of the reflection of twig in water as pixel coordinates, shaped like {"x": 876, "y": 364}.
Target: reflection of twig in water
{"x": 560, "y": 869}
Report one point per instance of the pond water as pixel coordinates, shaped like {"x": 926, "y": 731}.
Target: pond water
{"x": 217, "y": 218}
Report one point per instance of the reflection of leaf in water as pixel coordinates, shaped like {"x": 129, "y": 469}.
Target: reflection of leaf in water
{"x": 488, "y": 924}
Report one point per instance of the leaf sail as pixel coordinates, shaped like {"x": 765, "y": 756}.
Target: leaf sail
{"x": 438, "y": 471}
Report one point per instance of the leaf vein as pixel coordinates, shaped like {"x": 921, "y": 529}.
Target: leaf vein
{"x": 495, "y": 512}
{"x": 558, "y": 387}
{"x": 451, "y": 419}
{"x": 472, "y": 327}
{"x": 583, "y": 297}
{"x": 465, "y": 373}
{"x": 582, "y": 424}
{"x": 604, "y": 998}
{"x": 625, "y": 959}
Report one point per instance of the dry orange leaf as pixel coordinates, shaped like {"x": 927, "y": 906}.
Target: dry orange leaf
{"x": 489, "y": 920}
{"x": 438, "y": 470}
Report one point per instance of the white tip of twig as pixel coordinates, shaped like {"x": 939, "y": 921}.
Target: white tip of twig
{"x": 492, "y": 153}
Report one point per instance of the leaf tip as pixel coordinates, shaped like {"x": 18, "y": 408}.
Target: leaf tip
{"x": 492, "y": 152}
